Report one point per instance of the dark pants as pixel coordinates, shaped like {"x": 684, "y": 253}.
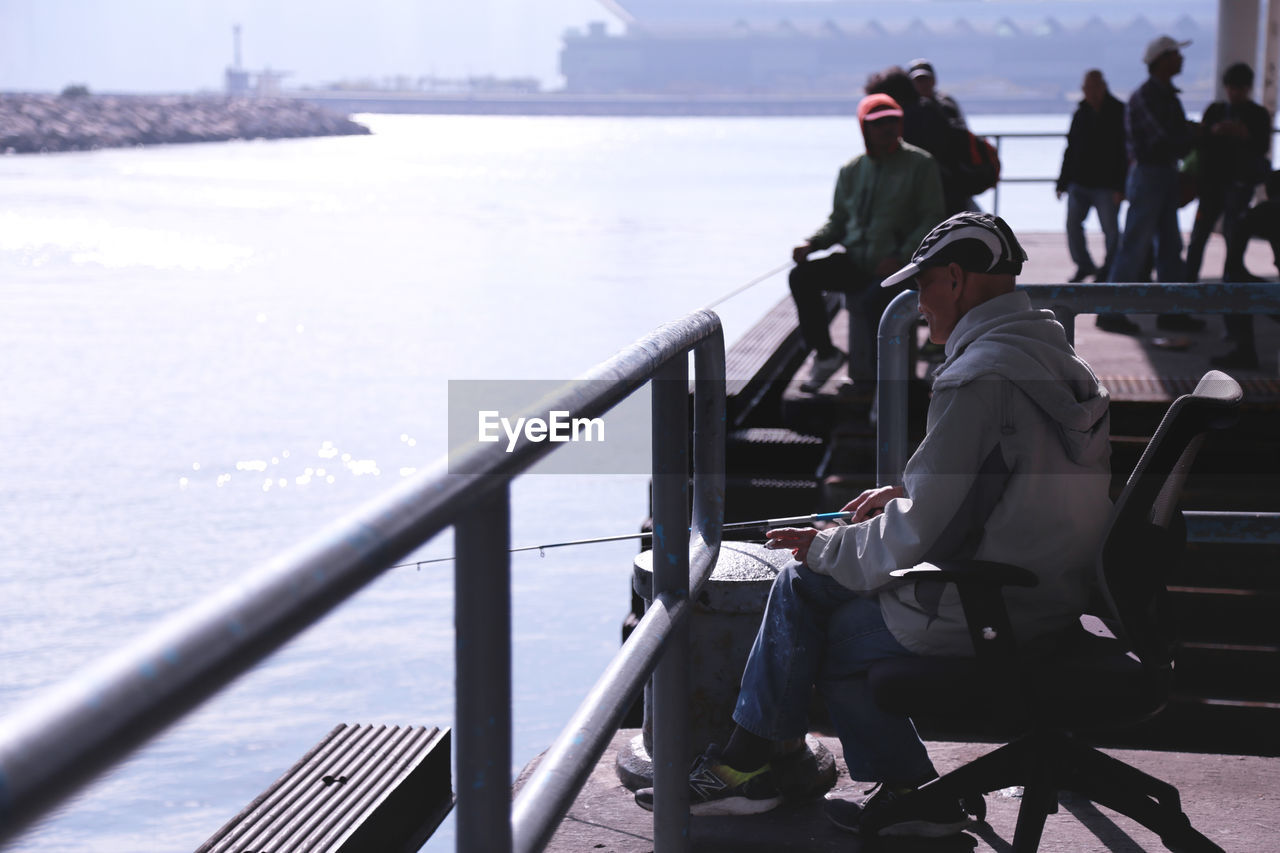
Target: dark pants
{"x": 1261, "y": 220}
{"x": 1230, "y": 201}
{"x": 1080, "y": 199}
{"x": 864, "y": 298}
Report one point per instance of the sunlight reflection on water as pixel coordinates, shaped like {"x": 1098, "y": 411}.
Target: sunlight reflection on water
{"x": 213, "y": 350}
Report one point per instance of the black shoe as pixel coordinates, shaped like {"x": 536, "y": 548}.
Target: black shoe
{"x": 1119, "y": 324}
{"x": 716, "y": 788}
{"x": 927, "y": 821}
{"x": 1179, "y": 323}
{"x": 1081, "y": 274}
{"x": 802, "y": 773}
{"x": 1237, "y": 359}
{"x": 1240, "y": 274}
{"x": 846, "y": 814}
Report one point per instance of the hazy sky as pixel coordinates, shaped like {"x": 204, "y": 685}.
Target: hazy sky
{"x": 184, "y": 45}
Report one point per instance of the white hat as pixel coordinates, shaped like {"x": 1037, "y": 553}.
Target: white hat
{"x": 1159, "y": 47}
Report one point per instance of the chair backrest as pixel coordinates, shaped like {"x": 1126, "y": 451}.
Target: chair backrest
{"x": 1145, "y": 535}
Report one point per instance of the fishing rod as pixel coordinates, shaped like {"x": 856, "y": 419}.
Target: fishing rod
{"x": 736, "y": 526}
{"x": 762, "y": 277}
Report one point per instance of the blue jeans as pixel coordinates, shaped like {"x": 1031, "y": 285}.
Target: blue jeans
{"x": 1079, "y": 200}
{"x": 817, "y": 632}
{"x": 1152, "y": 216}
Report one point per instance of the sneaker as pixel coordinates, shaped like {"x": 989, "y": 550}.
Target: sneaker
{"x": 1179, "y": 323}
{"x": 804, "y": 772}
{"x": 1119, "y": 324}
{"x": 717, "y": 789}
{"x": 929, "y": 821}
{"x": 1240, "y": 274}
{"x": 822, "y": 370}
{"x": 1081, "y": 274}
{"x": 846, "y": 814}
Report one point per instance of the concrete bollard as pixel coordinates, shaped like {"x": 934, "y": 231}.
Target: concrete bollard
{"x": 725, "y": 621}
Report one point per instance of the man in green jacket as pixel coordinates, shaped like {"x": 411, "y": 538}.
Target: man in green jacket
{"x": 886, "y": 200}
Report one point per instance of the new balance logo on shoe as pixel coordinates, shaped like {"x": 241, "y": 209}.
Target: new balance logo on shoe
{"x": 718, "y": 789}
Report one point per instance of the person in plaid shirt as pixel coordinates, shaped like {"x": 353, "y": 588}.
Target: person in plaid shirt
{"x": 1158, "y": 135}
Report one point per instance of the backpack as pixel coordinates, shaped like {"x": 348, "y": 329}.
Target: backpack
{"x": 979, "y": 167}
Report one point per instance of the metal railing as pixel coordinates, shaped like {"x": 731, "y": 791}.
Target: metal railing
{"x": 898, "y": 324}
{"x": 1030, "y": 179}
{"x": 1022, "y": 179}
{"x": 61, "y": 740}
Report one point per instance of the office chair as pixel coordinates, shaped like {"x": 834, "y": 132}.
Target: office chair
{"x": 1109, "y": 673}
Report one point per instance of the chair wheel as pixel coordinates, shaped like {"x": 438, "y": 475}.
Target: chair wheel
{"x": 976, "y": 805}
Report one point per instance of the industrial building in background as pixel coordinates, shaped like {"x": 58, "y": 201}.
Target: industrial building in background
{"x": 994, "y": 57}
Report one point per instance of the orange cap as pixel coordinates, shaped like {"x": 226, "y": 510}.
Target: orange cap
{"x": 878, "y": 106}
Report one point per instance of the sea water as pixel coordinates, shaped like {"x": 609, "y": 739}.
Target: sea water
{"x": 211, "y": 351}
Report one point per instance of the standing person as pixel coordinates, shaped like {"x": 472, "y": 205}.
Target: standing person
{"x": 885, "y": 201}
{"x": 1014, "y": 467}
{"x": 925, "y": 81}
{"x": 1231, "y": 160}
{"x": 1261, "y": 220}
{"x": 1158, "y": 135}
{"x": 1093, "y": 173}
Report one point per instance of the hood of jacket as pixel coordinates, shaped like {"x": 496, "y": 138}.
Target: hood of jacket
{"x": 1006, "y": 337}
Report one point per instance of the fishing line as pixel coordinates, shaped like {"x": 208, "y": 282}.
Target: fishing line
{"x": 762, "y": 277}
{"x": 736, "y": 526}
{"x": 763, "y": 524}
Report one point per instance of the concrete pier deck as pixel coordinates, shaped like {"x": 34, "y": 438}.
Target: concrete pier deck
{"x": 1232, "y": 799}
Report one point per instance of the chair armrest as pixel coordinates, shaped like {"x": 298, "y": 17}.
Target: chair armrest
{"x": 979, "y": 583}
{"x": 970, "y": 571}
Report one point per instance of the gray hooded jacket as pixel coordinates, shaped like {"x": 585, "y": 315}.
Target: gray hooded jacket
{"x": 1014, "y": 467}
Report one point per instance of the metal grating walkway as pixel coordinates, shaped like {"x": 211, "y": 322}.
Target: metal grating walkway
{"x": 363, "y": 788}
{"x": 1167, "y": 388}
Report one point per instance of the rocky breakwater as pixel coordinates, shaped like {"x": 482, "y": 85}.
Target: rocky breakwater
{"x": 43, "y": 123}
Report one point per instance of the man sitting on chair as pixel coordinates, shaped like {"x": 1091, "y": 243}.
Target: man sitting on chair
{"x": 885, "y": 201}
{"x": 1014, "y": 468}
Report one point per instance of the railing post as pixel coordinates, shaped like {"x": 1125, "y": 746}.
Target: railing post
{"x": 995, "y": 198}
{"x": 670, "y": 394}
{"x": 897, "y": 324}
{"x": 1067, "y": 318}
{"x": 482, "y": 658}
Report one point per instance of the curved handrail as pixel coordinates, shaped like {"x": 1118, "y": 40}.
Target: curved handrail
{"x": 61, "y": 739}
